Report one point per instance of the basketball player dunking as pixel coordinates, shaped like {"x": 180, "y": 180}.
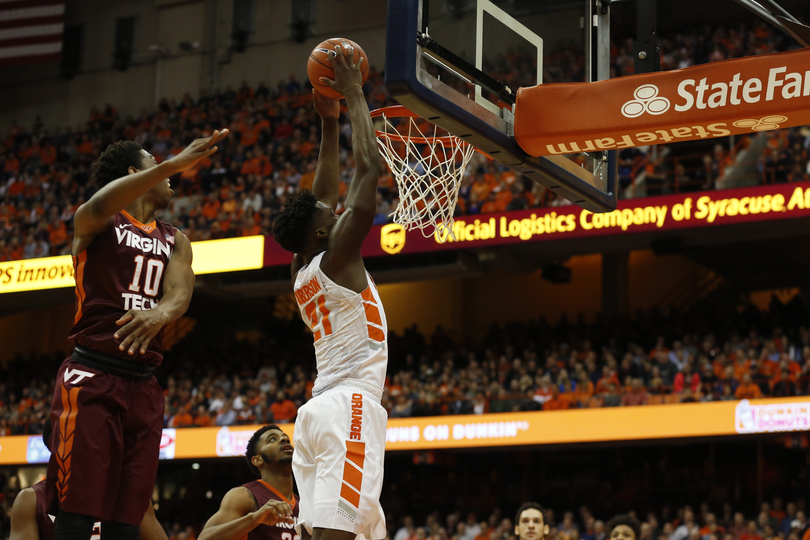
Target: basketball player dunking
{"x": 133, "y": 276}
{"x": 340, "y": 432}
{"x": 31, "y": 518}
{"x": 264, "y": 509}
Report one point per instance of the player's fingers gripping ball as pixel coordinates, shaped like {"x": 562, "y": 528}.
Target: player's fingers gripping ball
{"x": 318, "y": 64}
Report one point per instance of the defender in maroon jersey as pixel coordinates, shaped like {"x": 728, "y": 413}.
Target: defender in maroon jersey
{"x": 264, "y": 509}
{"x": 133, "y": 276}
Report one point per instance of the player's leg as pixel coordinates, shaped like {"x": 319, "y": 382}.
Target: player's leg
{"x": 70, "y": 526}
{"x": 347, "y": 480}
{"x": 142, "y": 428}
{"x": 85, "y": 464}
{"x": 331, "y": 534}
{"x": 115, "y": 530}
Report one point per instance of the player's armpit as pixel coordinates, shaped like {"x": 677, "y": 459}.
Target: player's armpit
{"x": 24, "y": 516}
{"x": 233, "y": 520}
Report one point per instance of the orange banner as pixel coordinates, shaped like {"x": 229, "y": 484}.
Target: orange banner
{"x": 491, "y": 430}
{"x": 743, "y": 95}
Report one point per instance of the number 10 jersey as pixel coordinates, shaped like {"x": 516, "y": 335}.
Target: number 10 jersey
{"x": 123, "y": 268}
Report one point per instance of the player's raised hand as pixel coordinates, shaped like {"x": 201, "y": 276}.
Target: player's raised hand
{"x": 348, "y": 73}
{"x": 274, "y": 512}
{"x": 197, "y": 150}
{"x": 326, "y": 107}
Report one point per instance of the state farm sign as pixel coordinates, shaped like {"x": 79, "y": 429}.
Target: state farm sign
{"x": 737, "y": 96}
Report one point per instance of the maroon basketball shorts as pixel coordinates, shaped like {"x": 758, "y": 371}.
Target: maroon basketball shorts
{"x": 105, "y": 443}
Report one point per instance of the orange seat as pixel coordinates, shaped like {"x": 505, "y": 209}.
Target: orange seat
{"x": 595, "y": 402}
{"x": 656, "y": 399}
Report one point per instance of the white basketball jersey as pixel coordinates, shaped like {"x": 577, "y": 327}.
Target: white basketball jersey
{"x": 349, "y": 328}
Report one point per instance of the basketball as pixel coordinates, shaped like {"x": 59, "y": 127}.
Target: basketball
{"x": 318, "y": 64}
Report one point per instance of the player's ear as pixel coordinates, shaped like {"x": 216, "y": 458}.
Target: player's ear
{"x": 517, "y": 530}
{"x": 545, "y": 530}
{"x": 132, "y": 170}
{"x": 256, "y": 460}
{"x": 321, "y": 233}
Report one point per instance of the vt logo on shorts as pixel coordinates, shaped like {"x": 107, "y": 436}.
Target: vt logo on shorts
{"x": 353, "y": 466}
{"x": 79, "y": 375}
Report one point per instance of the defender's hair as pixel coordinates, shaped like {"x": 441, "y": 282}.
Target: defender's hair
{"x": 115, "y": 161}
{"x": 292, "y": 223}
{"x": 251, "y": 446}
{"x": 624, "y": 519}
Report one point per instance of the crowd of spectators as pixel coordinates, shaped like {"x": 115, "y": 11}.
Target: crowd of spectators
{"x": 44, "y": 171}
{"x": 214, "y": 378}
{"x": 773, "y": 521}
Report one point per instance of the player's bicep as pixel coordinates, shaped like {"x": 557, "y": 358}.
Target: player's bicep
{"x": 237, "y": 503}
{"x": 178, "y": 271}
{"x": 150, "y": 528}
{"x": 23, "y": 516}
{"x": 347, "y": 237}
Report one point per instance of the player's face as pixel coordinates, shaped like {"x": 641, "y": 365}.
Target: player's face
{"x": 325, "y": 219}
{"x": 622, "y": 532}
{"x": 531, "y": 525}
{"x": 162, "y": 192}
{"x": 276, "y": 447}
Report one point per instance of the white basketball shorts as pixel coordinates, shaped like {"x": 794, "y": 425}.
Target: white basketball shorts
{"x": 338, "y": 462}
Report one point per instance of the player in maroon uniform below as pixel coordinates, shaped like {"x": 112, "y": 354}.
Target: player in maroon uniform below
{"x": 133, "y": 276}
{"x": 30, "y": 519}
{"x": 264, "y": 509}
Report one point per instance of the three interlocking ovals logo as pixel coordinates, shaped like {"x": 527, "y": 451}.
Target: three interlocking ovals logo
{"x": 766, "y": 123}
{"x": 646, "y": 100}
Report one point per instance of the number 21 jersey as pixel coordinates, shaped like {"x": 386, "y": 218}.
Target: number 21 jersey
{"x": 123, "y": 268}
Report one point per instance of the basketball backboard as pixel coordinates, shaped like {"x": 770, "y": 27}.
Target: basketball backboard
{"x": 459, "y": 64}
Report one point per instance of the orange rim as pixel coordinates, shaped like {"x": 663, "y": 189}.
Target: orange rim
{"x": 400, "y": 111}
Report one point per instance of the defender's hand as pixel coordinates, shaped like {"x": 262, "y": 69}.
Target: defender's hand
{"x": 141, "y": 326}
{"x": 347, "y": 72}
{"x": 197, "y": 150}
{"x": 326, "y": 107}
{"x": 272, "y": 513}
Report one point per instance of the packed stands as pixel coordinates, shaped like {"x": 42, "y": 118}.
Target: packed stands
{"x": 218, "y": 376}
{"x": 44, "y": 170}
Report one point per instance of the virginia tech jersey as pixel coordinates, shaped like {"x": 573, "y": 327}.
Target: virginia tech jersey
{"x": 123, "y": 268}
{"x": 349, "y": 328}
{"x": 263, "y": 492}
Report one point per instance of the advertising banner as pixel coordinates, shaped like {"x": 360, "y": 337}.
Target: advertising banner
{"x": 732, "y": 97}
{"x": 652, "y": 422}
{"x": 651, "y": 214}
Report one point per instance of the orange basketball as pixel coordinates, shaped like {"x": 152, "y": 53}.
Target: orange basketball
{"x": 318, "y": 64}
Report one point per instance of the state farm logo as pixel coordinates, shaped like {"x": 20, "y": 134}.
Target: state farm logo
{"x": 765, "y": 123}
{"x": 646, "y": 100}
{"x": 392, "y": 238}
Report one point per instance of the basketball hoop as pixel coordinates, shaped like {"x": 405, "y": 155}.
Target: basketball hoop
{"x": 428, "y": 168}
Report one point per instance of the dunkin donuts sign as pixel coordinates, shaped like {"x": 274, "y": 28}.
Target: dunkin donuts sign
{"x": 739, "y": 96}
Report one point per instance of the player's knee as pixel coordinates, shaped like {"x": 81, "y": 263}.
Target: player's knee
{"x": 70, "y": 526}
{"x": 115, "y": 530}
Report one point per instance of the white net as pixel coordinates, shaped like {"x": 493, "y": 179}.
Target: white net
{"x": 428, "y": 168}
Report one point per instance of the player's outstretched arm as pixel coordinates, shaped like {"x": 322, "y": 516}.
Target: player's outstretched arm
{"x": 361, "y": 200}
{"x": 24, "y": 516}
{"x": 141, "y": 325}
{"x": 238, "y": 515}
{"x": 150, "y": 528}
{"x": 96, "y": 214}
{"x": 326, "y": 185}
